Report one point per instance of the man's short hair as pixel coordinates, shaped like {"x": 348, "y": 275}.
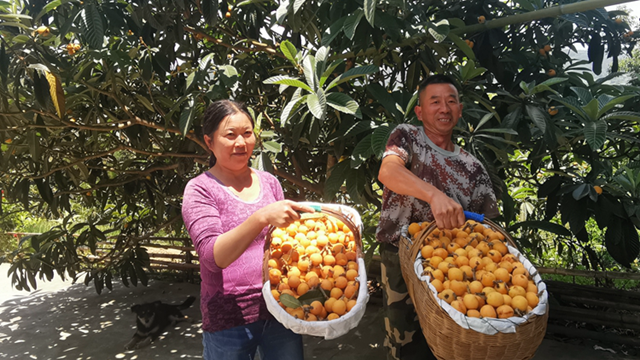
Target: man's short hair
{"x": 436, "y": 79}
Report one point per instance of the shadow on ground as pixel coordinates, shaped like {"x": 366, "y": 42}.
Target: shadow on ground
{"x": 73, "y": 322}
{"x": 77, "y": 323}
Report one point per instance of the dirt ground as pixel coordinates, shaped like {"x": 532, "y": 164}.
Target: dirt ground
{"x": 63, "y": 321}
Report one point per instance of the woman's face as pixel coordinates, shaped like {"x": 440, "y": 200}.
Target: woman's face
{"x": 233, "y": 142}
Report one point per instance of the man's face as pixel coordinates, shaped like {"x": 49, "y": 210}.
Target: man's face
{"x": 439, "y": 109}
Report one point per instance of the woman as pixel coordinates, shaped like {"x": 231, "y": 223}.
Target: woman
{"x": 227, "y": 211}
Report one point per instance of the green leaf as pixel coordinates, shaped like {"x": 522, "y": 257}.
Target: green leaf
{"x": 595, "y": 133}
{"x": 186, "y": 117}
{"x": 317, "y": 104}
{"x": 355, "y": 185}
{"x": 272, "y": 146}
{"x": 379, "y": 139}
{"x": 329, "y": 71}
{"x": 553, "y": 81}
{"x": 583, "y": 94}
{"x": 621, "y": 240}
{"x": 190, "y": 80}
{"x": 439, "y": 30}
{"x": 321, "y": 56}
{"x": 622, "y": 115}
{"x": 353, "y": 73}
{"x": 385, "y": 99}
{"x": 342, "y": 102}
{"x": 370, "y": 11}
{"x": 289, "y": 51}
{"x": 311, "y": 296}
{"x": 484, "y": 120}
{"x": 293, "y": 104}
{"x": 500, "y": 131}
{"x": 286, "y": 80}
{"x": 581, "y": 191}
{"x": 351, "y": 23}
{"x": 144, "y": 101}
{"x": 605, "y": 106}
{"x": 362, "y": 152}
{"x": 542, "y": 225}
{"x": 335, "y": 180}
{"x": 290, "y": 301}
{"x": 537, "y": 116}
{"x": 333, "y": 31}
{"x": 591, "y": 109}
{"x": 309, "y": 69}
{"x": 92, "y": 25}
{"x": 572, "y": 104}
{"x": 462, "y": 46}
{"x": 282, "y": 11}
{"x": 50, "y": 6}
{"x": 210, "y": 11}
{"x": 297, "y": 4}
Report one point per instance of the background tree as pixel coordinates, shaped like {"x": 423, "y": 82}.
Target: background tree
{"x": 102, "y": 101}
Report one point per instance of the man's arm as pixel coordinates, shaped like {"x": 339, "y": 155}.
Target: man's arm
{"x": 397, "y": 178}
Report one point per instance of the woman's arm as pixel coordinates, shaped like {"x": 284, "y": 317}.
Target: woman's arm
{"x": 230, "y": 245}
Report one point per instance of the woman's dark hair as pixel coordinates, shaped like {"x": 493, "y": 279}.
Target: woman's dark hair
{"x": 218, "y": 111}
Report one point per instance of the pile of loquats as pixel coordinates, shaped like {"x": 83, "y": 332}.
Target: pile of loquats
{"x": 313, "y": 268}
{"x": 472, "y": 270}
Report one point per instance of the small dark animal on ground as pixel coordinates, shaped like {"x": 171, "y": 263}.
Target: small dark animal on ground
{"x": 152, "y": 319}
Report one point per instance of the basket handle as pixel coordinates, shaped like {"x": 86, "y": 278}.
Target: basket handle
{"x": 474, "y": 216}
{"x": 316, "y": 208}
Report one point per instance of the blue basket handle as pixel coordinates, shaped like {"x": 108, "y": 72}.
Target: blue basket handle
{"x": 316, "y": 208}
{"x": 473, "y": 216}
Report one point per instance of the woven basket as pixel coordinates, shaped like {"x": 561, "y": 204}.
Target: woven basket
{"x": 329, "y": 329}
{"x": 450, "y": 341}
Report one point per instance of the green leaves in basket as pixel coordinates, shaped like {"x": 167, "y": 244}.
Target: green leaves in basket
{"x": 311, "y": 296}
{"x": 290, "y": 301}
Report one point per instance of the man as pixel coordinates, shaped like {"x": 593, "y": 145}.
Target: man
{"x": 426, "y": 177}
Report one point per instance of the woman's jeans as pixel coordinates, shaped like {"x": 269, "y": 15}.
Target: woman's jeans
{"x": 272, "y": 340}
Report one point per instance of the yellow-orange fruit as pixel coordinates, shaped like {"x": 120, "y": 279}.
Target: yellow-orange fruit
{"x": 470, "y": 302}
{"x": 459, "y": 305}
{"x": 475, "y": 287}
{"x": 427, "y": 251}
{"x": 495, "y": 299}
{"x": 532, "y": 299}
{"x": 520, "y": 280}
{"x": 458, "y": 287}
{"x": 447, "y": 295}
{"x": 437, "y": 284}
{"x": 455, "y": 274}
{"x": 351, "y": 290}
{"x": 339, "y": 307}
{"x": 517, "y": 290}
{"x": 519, "y": 302}
{"x": 504, "y": 311}
{"x": 473, "y": 313}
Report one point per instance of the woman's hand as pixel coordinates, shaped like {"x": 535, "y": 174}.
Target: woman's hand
{"x": 282, "y": 213}
{"x": 447, "y": 213}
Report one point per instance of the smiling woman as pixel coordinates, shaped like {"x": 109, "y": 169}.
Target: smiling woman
{"x": 226, "y": 211}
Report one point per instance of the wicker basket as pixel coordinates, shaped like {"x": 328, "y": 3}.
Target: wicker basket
{"x": 446, "y": 338}
{"x": 329, "y": 329}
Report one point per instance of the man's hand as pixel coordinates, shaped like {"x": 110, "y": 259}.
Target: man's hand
{"x": 447, "y": 213}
